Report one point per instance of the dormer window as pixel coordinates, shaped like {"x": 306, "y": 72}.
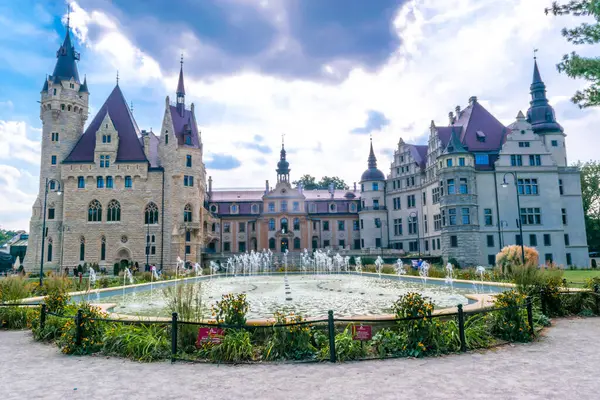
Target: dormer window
{"x": 332, "y": 207}
{"x": 188, "y": 140}
{"x": 104, "y": 161}
{"x": 480, "y": 136}
{"x": 106, "y": 138}
{"x": 72, "y": 85}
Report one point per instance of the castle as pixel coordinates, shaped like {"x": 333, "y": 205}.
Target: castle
{"x": 130, "y": 195}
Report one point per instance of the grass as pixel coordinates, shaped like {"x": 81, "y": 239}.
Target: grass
{"x": 577, "y": 277}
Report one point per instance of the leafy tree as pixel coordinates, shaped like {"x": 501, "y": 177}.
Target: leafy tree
{"x": 309, "y": 182}
{"x": 573, "y": 64}
{"x": 590, "y": 193}
{"x": 5, "y": 236}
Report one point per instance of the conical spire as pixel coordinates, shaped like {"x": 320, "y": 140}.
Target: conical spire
{"x": 540, "y": 114}
{"x": 454, "y": 144}
{"x": 180, "y": 86}
{"x": 83, "y": 88}
{"x": 283, "y": 166}
{"x": 66, "y": 65}
{"x": 372, "y": 162}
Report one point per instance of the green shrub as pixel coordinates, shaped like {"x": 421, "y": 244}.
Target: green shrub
{"x": 387, "y": 342}
{"x": 231, "y": 310}
{"x": 235, "y": 347}
{"x": 186, "y": 301}
{"x": 478, "y": 332}
{"x": 422, "y": 335}
{"x": 591, "y": 283}
{"x": 14, "y": 288}
{"x": 92, "y": 331}
{"x": 57, "y": 299}
{"x": 290, "y": 342}
{"x": 511, "y": 323}
{"x": 16, "y": 317}
{"x": 139, "y": 342}
{"x": 388, "y": 269}
{"x": 346, "y": 348}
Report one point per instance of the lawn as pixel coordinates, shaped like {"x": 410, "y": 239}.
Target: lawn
{"x": 577, "y": 278}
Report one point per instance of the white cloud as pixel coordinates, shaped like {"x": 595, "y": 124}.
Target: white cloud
{"x": 16, "y": 197}
{"x": 15, "y": 143}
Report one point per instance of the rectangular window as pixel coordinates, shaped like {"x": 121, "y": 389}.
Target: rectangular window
{"x": 100, "y": 182}
{"x": 342, "y": 243}
{"x": 188, "y": 236}
{"x": 53, "y": 160}
{"x": 466, "y": 216}
{"x": 325, "y": 243}
{"x": 424, "y": 198}
{"x": 325, "y": 225}
{"x": 80, "y": 182}
{"x": 482, "y": 159}
{"x": 567, "y": 241}
{"x": 560, "y": 187}
{"x": 547, "y": 239}
{"x": 109, "y": 182}
{"x": 412, "y": 226}
{"x": 188, "y": 180}
{"x": 355, "y": 225}
{"x": 453, "y": 241}
{"x": 362, "y": 225}
{"x": 449, "y": 162}
{"x": 450, "y": 186}
{"x": 375, "y": 186}
{"x": 128, "y": 182}
{"x": 437, "y": 222}
{"x": 341, "y": 225}
{"x": 412, "y": 246}
{"x": 227, "y": 246}
{"x": 490, "y": 240}
{"x": 463, "y": 186}
{"x": 531, "y": 216}
{"x": 356, "y": 244}
{"x": 523, "y": 144}
{"x": 283, "y": 205}
{"x": 461, "y": 161}
{"x": 425, "y": 225}
{"x": 516, "y": 160}
{"x": 435, "y": 195}
{"x": 491, "y": 259}
{"x": 452, "y": 216}
{"x": 412, "y": 181}
{"x": 296, "y": 206}
{"x": 188, "y": 161}
{"x": 527, "y": 186}
{"x": 555, "y": 143}
{"x": 397, "y": 226}
{"x": 376, "y": 204}
{"x": 487, "y": 217}
{"x": 410, "y": 200}
{"x": 106, "y": 161}
{"x": 51, "y": 213}
{"x": 569, "y": 259}
{"x": 426, "y": 245}
{"x": 241, "y": 227}
{"x": 533, "y": 240}
{"x": 438, "y": 244}
{"x": 377, "y": 242}
{"x": 241, "y": 247}
{"x": 226, "y": 227}
{"x": 271, "y": 207}
{"x": 535, "y": 160}
{"x": 518, "y": 239}
{"x": 101, "y": 161}
{"x": 564, "y": 216}
{"x": 548, "y": 258}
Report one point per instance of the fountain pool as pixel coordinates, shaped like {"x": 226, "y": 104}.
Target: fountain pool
{"x": 309, "y": 295}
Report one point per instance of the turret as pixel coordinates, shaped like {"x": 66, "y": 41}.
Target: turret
{"x": 283, "y": 166}
{"x": 373, "y": 213}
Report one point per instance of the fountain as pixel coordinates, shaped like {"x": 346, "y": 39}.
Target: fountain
{"x": 399, "y": 266}
{"x": 285, "y": 260}
{"x": 358, "y": 265}
{"x": 179, "y": 264}
{"x": 379, "y": 264}
{"x": 480, "y": 270}
{"x": 92, "y": 278}
{"x": 424, "y": 271}
{"x": 127, "y": 276}
{"x": 197, "y": 269}
{"x": 449, "y": 278}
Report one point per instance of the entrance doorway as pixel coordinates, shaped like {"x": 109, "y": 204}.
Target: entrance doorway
{"x": 284, "y": 245}
{"x": 315, "y": 242}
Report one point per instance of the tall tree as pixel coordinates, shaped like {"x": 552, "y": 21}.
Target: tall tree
{"x": 338, "y": 183}
{"x": 573, "y": 64}
{"x": 308, "y": 182}
{"x": 590, "y": 193}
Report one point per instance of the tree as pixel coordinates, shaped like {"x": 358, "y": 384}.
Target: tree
{"x": 590, "y": 194}
{"x": 5, "y": 236}
{"x": 573, "y": 65}
{"x": 309, "y": 182}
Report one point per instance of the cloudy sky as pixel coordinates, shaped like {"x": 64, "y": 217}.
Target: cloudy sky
{"x": 326, "y": 73}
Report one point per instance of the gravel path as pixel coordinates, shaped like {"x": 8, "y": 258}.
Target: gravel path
{"x": 564, "y": 364}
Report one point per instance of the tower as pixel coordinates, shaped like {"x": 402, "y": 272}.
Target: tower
{"x": 63, "y": 111}
{"x": 543, "y": 120}
{"x": 283, "y": 166}
{"x": 373, "y": 213}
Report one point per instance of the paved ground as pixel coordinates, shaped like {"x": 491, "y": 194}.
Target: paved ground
{"x": 565, "y": 364}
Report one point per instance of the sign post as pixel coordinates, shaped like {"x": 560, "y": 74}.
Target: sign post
{"x": 362, "y": 332}
{"x": 209, "y": 335}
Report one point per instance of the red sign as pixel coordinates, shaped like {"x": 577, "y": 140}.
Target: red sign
{"x": 361, "y": 332}
{"x": 209, "y": 335}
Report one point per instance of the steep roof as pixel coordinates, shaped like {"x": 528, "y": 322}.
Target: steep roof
{"x": 476, "y": 122}
{"x": 120, "y": 114}
{"x": 182, "y": 123}
{"x": 419, "y": 154}
{"x": 66, "y": 65}
{"x": 180, "y": 86}
{"x": 454, "y": 145}
{"x": 540, "y": 114}
{"x": 153, "y": 148}
{"x": 372, "y": 173}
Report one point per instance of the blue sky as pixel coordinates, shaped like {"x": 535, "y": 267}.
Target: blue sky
{"x": 327, "y": 74}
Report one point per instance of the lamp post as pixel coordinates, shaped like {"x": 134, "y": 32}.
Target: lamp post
{"x": 502, "y": 224}
{"x": 415, "y": 218}
{"x": 519, "y": 222}
{"x": 58, "y": 192}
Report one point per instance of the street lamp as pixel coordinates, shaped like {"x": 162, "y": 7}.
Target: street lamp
{"x": 58, "y": 192}
{"x": 519, "y": 222}
{"x": 414, "y": 216}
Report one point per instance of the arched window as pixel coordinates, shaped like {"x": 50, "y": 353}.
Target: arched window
{"x": 234, "y": 209}
{"x": 82, "y": 249}
{"x": 95, "y": 211}
{"x": 296, "y": 224}
{"x": 69, "y": 107}
{"x": 187, "y": 213}
{"x": 151, "y": 214}
{"x": 113, "y": 212}
{"x": 49, "y": 249}
{"x": 102, "y": 248}
{"x": 213, "y": 228}
{"x": 332, "y": 207}
{"x": 272, "y": 243}
{"x": 296, "y": 243}
{"x": 255, "y": 208}
{"x": 284, "y": 224}
{"x": 271, "y": 225}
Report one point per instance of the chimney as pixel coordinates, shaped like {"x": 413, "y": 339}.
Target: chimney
{"x": 146, "y": 141}
{"x": 210, "y": 185}
{"x": 457, "y": 109}
{"x": 355, "y": 186}
{"x": 266, "y": 186}
{"x": 331, "y": 190}
{"x": 300, "y": 187}
{"x": 451, "y": 117}
{"x": 472, "y": 100}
